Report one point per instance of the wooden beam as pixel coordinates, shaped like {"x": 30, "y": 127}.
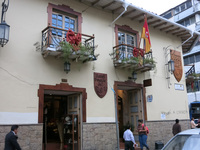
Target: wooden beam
{"x": 172, "y": 30}
{"x": 178, "y": 32}
{"x": 148, "y": 18}
{"x": 166, "y": 27}
{"x": 95, "y": 2}
{"x": 107, "y": 5}
{"x": 128, "y": 13}
{"x": 155, "y": 21}
{"x": 160, "y": 24}
{"x": 137, "y": 16}
{"x": 183, "y": 34}
{"x": 117, "y": 9}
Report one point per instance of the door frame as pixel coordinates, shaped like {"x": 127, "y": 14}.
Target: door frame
{"x": 130, "y": 84}
{"x": 60, "y": 87}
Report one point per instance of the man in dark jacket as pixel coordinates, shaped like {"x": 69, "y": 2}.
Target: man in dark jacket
{"x": 176, "y": 127}
{"x": 11, "y": 139}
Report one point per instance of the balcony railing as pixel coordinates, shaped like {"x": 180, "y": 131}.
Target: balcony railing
{"x": 51, "y": 38}
{"x": 129, "y": 57}
{"x": 190, "y": 71}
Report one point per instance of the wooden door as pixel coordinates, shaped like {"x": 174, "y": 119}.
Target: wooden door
{"x": 135, "y": 108}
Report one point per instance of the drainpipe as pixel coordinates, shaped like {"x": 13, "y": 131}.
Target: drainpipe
{"x": 191, "y": 32}
{"x": 125, "y": 5}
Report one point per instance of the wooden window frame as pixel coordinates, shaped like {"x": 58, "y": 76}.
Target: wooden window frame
{"x": 65, "y": 9}
{"x": 127, "y": 29}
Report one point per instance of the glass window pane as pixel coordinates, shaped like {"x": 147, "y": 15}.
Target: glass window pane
{"x": 187, "y": 22}
{"x": 136, "y": 98}
{"x": 53, "y": 21}
{"x": 130, "y": 40}
{"x": 72, "y": 26}
{"x": 59, "y": 17}
{"x": 59, "y": 23}
{"x": 198, "y": 58}
{"x": 191, "y": 59}
{"x": 54, "y": 16}
{"x": 70, "y": 102}
{"x": 66, "y": 19}
{"x": 186, "y": 61}
{"x": 134, "y": 109}
{"x": 192, "y": 20}
{"x": 66, "y": 25}
{"x": 188, "y": 4}
{"x": 131, "y": 98}
{"x": 72, "y": 21}
{"x": 75, "y": 102}
{"x": 176, "y": 10}
{"x": 182, "y": 7}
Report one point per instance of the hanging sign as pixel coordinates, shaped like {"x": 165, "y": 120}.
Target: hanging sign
{"x": 100, "y": 84}
{"x": 178, "y": 69}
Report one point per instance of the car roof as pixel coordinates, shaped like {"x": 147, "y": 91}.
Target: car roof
{"x": 190, "y": 131}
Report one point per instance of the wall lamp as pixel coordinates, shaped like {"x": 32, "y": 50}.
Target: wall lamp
{"x": 4, "y": 27}
{"x": 67, "y": 67}
{"x": 134, "y": 76}
{"x": 170, "y": 66}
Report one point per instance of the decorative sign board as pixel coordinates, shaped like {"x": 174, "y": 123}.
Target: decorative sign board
{"x": 179, "y": 87}
{"x": 100, "y": 84}
{"x": 178, "y": 69}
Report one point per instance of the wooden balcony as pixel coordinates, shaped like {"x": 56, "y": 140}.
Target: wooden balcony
{"x": 53, "y": 36}
{"x": 131, "y": 58}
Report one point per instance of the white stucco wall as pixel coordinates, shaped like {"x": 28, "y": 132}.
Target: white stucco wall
{"x": 22, "y": 68}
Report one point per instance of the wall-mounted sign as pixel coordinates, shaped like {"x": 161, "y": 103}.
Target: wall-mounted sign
{"x": 178, "y": 69}
{"x": 149, "y": 98}
{"x": 147, "y": 82}
{"x": 100, "y": 84}
{"x": 179, "y": 87}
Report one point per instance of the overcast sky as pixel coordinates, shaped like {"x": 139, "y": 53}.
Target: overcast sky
{"x": 156, "y": 6}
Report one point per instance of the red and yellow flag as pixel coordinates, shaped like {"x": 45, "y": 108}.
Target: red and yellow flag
{"x": 145, "y": 35}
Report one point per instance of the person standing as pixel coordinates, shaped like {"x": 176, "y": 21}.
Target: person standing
{"x": 176, "y": 127}
{"x": 193, "y": 124}
{"x": 142, "y": 131}
{"x": 11, "y": 139}
{"x": 129, "y": 139}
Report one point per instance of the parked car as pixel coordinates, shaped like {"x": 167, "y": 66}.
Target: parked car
{"x": 185, "y": 140}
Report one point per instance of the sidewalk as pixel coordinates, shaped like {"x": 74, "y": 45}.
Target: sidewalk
{"x": 122, "y": 146}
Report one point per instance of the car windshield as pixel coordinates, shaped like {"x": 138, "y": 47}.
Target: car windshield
{"x": 184, "y": 142}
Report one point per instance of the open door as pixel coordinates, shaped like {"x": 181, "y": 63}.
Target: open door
{"x": 61, "y": 122}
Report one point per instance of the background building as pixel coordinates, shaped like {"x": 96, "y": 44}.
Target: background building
{"x": 187, "y": 14}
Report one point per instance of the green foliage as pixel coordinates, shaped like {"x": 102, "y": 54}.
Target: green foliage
{"x": 82, "y": 51}
{"x": 67, "y": 50}
{"x": 150, "y": 61}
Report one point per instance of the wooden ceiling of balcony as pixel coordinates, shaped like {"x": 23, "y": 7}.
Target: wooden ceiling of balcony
{"x": 154, "y": 21}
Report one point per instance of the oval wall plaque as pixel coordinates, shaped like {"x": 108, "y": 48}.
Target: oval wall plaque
{"x": 178, "y": 69}
{"x": 100, "y": 84}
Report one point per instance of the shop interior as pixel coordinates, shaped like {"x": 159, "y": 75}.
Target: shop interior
{"x": 61, "y": 122}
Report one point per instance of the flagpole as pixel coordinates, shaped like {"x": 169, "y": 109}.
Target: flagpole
{"x": 145, "y": 15}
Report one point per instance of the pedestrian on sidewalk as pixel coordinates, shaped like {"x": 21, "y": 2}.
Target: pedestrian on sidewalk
{"x": 129, "y": 139}
{"x": 11, "y": 139}
{"x": 176, "y": 127}
{"x": 193, "y": 124}
{"x": 142, "y": 131}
